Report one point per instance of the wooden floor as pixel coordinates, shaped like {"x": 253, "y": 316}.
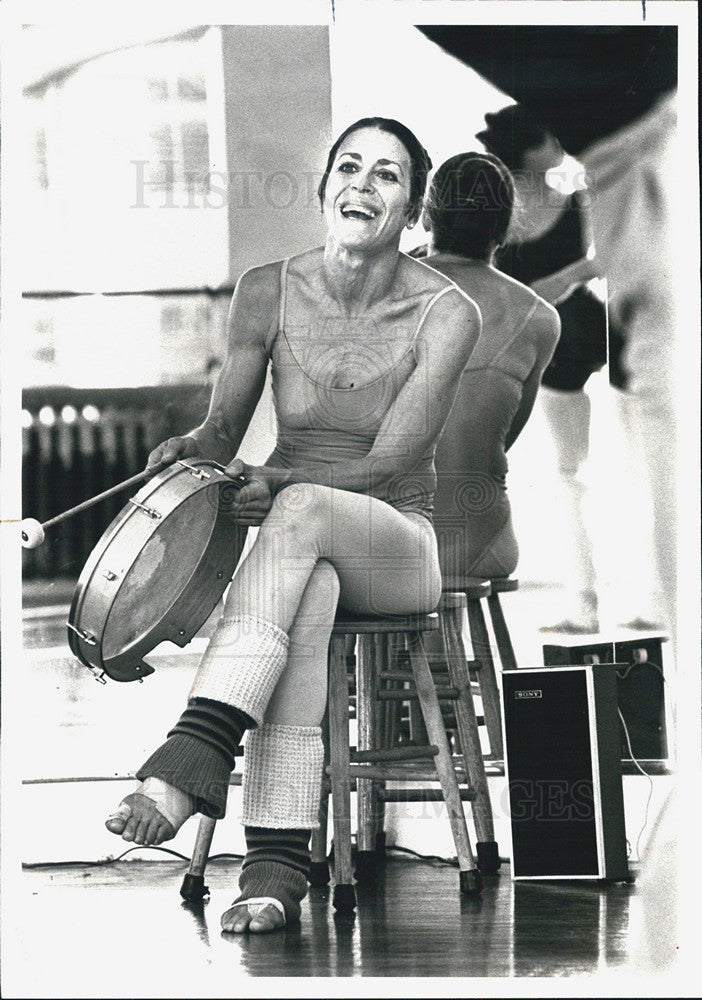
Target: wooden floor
{"x": 121, "y": 930}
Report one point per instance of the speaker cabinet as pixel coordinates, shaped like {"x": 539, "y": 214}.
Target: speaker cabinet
{"x": 640, "y": 688}
{"x": 564, "y": 773}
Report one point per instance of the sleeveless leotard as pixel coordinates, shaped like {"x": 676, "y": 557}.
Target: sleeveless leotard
{"x": 318, "y": 423}
{"x": 472, "y": 514}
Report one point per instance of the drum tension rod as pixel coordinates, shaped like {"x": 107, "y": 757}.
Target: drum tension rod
{"x": 147, "y": 510}
{"x": 194, "y": 471}
{"x": 85, "y": 636}
{"x": 98, "y": 674}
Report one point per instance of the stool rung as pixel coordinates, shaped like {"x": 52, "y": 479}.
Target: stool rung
{"x": 399, "y": 753}
{"x": 420, "y": 794}
{"x": 448, "y": 693}
{"x": 386, "y": 772}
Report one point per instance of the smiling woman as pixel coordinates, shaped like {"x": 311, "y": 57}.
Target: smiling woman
{"x": 366, "y": 347}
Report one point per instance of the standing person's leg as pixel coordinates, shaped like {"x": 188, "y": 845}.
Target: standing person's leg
{"x": 568, "y": 418}
{"x": 633, "y": 215}
{"x": 639, "y": 585}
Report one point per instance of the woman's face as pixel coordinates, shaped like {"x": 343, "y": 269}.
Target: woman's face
{"x": 367, "y": 197}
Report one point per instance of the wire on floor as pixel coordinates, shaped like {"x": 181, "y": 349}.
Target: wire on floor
{"x": 650, "y": 785}
{"x": 102, "y": 862}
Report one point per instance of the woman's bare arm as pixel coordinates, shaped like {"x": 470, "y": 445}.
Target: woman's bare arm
{"x": 253, "y": 315}
{"x": 558, "y": 286}
{"x": 548, "y": 328}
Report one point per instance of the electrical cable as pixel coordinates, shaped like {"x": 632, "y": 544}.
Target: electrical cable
{"x": 650, "y": 785}
{"x": 102, "y": 862}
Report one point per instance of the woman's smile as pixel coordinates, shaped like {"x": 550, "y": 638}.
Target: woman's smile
{"x": 368, "y": 189}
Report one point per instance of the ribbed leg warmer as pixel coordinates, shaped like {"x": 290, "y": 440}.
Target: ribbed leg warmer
{"x": 281, "y": 788}
{"x": 231, "y": 690}
{"x": 198, "y": 756}
{"x": 277, "y": 864}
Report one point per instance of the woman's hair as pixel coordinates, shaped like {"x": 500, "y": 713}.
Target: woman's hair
{"x": 510, "y": 133}
{"x": 419, "y": 158}
{"x": 469, "y": 205}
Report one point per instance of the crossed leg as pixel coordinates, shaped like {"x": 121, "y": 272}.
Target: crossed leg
{"x": 385, "y": 562}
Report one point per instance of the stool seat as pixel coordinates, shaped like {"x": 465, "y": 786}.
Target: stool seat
{"x": 472, "y": 586}
{"x": 504, "y": 584}
{"x": 346, "y": 623}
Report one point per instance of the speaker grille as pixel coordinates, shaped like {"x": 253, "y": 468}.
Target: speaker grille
{"x": 549, "y": 765}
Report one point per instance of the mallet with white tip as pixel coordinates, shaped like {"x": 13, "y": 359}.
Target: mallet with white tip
{"x": 33, "y": 531}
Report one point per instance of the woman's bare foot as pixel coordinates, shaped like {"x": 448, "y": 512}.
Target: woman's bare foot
{"x": 259, "y": 915}
{"x": 153, "y": 813}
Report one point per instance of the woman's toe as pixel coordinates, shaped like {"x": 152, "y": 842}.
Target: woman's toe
{"x": 236, "y": 919}
{"x": 117, "y": 821}
{"x": 267, "y": 920}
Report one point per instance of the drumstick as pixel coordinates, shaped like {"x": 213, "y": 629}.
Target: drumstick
{"x": 33, "y": 531}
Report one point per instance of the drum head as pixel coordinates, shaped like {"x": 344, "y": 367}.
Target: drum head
{"x": 154, "y": 582}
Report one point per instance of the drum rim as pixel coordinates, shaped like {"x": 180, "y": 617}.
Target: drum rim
{"x": 91, "y": 654}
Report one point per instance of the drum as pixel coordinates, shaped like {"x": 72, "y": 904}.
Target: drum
{"x": 158, "y": 570}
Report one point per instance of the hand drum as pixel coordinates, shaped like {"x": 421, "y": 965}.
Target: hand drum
{"x": 158, "y": 570}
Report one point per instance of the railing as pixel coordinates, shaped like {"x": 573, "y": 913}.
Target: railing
{"x": 77, "y": 443}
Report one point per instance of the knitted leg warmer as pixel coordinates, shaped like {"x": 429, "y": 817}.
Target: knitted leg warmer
{"x": 281, "y": 788}
{"x": 232, "y": 687}
{"x": 242, "y": 664}
{"x": 277, "y": 864}
{"x": 198, "y": 756}
{"x": 282, "y": 777}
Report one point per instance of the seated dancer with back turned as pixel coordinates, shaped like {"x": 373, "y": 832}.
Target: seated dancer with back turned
{"x": 467, "y": 213}
{"x": 367, "y": 347}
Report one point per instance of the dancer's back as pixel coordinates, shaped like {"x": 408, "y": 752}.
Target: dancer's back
{"x": 495, "y": 398}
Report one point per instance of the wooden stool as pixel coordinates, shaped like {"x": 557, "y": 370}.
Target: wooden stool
{"x": 374, "y": 763}
{"x": 475, "y": 590}
{"x": 451, "y": 611}
{"x": 370, "y": 763}
{"x": 381, "y": 671}
{"x": 502, "y": 585}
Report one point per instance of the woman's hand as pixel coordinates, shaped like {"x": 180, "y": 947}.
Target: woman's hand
{"x": 171, "y": 450}
{"x": 253, "y": 500}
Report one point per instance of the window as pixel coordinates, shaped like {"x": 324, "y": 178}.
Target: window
{"x": 120, "y": 154}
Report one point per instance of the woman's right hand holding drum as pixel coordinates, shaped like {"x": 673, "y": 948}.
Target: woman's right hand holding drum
{"x": 172, "y": 450}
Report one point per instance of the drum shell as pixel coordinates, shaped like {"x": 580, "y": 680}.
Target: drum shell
{"x": 126, "y": 541}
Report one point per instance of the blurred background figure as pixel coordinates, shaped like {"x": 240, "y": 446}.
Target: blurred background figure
{"x": 550, "y": 248}
{"x": 632, "y": 213}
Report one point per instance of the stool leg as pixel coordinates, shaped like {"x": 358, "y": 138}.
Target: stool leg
{"x": 339, "y": 751}
{"x": 366, "y": 715}
{"x": 487, "y": 678}
{"x": 193, "y": 887}
{"x": 502, "y": 636}
{"x": 386, "y": 729}
{"x": 470, "y": 878}
{"x": 488, "y": 854}
{"x": 319, "y": 863}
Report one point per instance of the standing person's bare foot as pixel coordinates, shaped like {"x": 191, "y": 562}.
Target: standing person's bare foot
{"x": 153, "y": 813}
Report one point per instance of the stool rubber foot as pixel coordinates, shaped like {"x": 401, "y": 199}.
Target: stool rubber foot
{"x": 380, "y": 842}
{"x": 366, "y": 866}
{"x": 470, "y": 882}
{"x": 344, "y": 899}
{"x": 193, "y": 887}
{"x": 319, "y": 874}
{"x": 488, "y": 857}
